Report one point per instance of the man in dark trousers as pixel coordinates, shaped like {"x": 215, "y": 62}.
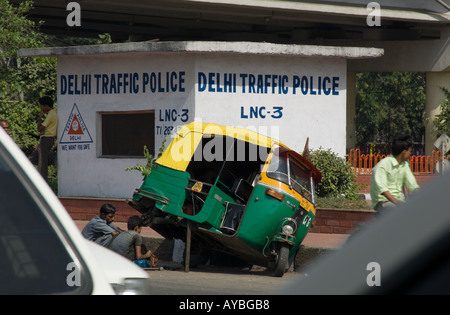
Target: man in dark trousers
{"x": 47, "y": 129}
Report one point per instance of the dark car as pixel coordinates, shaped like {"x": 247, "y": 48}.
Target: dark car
{"x": 406, "y": 251}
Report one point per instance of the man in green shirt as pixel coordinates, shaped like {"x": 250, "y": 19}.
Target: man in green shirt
{"x": 390, "y": 174}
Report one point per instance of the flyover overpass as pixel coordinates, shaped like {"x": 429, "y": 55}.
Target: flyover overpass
{"x": 288, "y": 21}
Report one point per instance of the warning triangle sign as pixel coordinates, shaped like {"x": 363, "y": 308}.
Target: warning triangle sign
{"x": 75, "y": 130}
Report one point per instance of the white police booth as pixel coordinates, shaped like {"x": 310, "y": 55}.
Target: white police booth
{"x": 112, "y": 97}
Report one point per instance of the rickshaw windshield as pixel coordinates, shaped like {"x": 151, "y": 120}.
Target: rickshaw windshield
{"x": 284, "y": 168}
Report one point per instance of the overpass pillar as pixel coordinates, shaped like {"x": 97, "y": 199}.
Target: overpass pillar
{"x": 351, "y": 110}
{"x": 434, "y": 97}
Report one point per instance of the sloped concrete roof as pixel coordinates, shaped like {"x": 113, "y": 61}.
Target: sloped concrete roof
{"x": 209, "y": 47}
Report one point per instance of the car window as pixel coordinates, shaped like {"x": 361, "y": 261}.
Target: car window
{"x": 35, "y": 257}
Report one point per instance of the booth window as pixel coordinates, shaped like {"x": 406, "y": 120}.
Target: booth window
{"x": 124, "y": 134}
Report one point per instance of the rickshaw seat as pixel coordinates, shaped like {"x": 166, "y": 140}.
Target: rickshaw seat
{"x": 242, "y": 189}
{"x": 232, "y": 217}
{"x": 197, "y": 203}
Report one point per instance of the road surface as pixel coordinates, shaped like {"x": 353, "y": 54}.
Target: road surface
{"x": 218, "y": 281}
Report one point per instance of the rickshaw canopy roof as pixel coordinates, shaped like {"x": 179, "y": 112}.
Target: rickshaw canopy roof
{"x": 179, "y": 152}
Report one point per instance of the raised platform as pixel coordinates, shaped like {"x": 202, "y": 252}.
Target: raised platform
{"x": 331, "y": 221}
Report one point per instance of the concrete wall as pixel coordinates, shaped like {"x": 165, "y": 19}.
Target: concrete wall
{"x": 289, "y": 100}
{"x": 81, "y": 170}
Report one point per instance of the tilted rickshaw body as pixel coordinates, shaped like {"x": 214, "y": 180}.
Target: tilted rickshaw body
{"x": 242, "y": 193}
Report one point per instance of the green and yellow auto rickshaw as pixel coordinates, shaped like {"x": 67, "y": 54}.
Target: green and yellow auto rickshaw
{"x": 240, "y": 193}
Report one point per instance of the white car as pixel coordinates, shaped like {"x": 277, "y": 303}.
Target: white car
{"x": 41, "y": 249}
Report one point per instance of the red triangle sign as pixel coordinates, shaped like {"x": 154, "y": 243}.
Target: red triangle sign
{"x": 75, "y": 127}
{"x": 75, "y": 130}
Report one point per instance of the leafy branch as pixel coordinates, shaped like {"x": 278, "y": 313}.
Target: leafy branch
{"x": 147, "y": 168}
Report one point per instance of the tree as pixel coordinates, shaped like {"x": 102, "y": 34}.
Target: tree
{"x": 22, "y": 80}
{"x": 389, "y": 104}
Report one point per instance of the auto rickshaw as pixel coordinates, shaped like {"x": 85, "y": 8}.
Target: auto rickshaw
{"x": 241, "y": 193}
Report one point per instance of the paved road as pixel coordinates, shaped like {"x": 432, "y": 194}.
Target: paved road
{"x": 218, "y": 281}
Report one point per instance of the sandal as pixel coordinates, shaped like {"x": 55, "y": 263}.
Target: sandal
{"x": 154, "y": 260}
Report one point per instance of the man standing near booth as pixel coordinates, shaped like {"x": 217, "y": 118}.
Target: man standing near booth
{"x": 5, "y": 125}
{"x": 47, "y": 130}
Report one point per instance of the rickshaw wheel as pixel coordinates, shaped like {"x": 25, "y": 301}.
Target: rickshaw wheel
{"x": 282, "y": 260}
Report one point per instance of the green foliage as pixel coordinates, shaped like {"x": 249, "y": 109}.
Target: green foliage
{"x": 441, "y": 121}
{"x": 104, "y": 38}
{"x": 64, "y": 40}
{"x": 389, "y": 104}
{"x": 53, "y": 178}
{"x": 146, "y": 169}
{"x": 16, "y": 31}
{"x": 22, "y": 80}
{"x": 22, "y": 121}
{"x": 338, "y": 178}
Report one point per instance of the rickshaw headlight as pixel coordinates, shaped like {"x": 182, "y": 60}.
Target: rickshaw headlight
{"x": 289, "y": 226}
{"x": 287, "y": 229}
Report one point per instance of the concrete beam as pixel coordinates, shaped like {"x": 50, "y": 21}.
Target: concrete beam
{"x": 209, "y": 47}
{"x": 422, "y": 56}
{"x": 337, "y": 9}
